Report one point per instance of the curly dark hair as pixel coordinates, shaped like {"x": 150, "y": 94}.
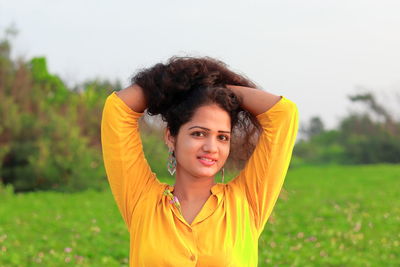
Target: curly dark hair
{"x": 177, "y": 88}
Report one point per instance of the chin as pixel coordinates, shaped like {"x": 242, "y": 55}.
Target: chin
{"x": 206, "y": 174}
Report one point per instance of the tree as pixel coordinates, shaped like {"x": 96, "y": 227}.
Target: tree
{"x": 314, "y": 128}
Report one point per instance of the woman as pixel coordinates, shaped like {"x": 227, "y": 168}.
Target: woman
{"x": 207, "y": 108}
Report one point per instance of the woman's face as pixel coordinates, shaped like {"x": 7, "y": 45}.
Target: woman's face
{"x": 202, "y": 144}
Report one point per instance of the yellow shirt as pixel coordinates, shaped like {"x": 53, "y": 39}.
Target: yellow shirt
{"x": 227, "y": 229}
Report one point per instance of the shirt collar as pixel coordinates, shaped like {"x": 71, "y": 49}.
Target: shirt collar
{"x": 216, "y": 190}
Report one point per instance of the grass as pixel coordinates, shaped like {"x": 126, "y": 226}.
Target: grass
{"x": 335, "y": 216}
{"x": 326, "y": 216}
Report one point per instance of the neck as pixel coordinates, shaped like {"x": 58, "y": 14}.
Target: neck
{"x": 192, "y": 189}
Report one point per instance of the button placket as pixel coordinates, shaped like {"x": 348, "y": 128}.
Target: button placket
{"x": 175, "y": 206}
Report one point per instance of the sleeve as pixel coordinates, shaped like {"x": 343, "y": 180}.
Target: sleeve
{"x": 128, "y": 172}
{"x": 262, "y": 178}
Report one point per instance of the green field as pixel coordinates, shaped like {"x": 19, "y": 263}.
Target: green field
{"x": 326, "y": 216}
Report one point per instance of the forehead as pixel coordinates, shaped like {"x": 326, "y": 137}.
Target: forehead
{"x": 212, "y": 117}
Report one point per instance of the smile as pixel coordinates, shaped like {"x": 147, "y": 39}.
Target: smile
{"x": 207, "y": 161}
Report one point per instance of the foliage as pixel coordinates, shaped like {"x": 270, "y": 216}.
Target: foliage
{"x": 359, "y": 138}
{"x": 321, "y": 149}
{"x": 315, "y": 127}
{"x": 49, "y": 135}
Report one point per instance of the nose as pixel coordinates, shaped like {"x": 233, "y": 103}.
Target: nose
{"x": 210, "y": 145}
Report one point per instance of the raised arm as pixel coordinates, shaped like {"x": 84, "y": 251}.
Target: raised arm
{"x": 262, "y": 178}
{"x": 254, "y": 100}
{"x": 128, "y": 173}
{"x": 133, "y": 97}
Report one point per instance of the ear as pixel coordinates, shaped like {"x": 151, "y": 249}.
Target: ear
{"x": 169, "y": 139}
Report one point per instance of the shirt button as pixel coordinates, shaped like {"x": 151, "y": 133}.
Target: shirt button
{"x": 190, "y": 230}
{"x": 192, "y": 257}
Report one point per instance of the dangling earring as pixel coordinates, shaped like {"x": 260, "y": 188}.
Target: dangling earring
{"x": 223, "y": 172}
{"x": 171, "y": 163}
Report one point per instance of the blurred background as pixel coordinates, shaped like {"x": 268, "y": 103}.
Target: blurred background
{"x": 339, "y": 61}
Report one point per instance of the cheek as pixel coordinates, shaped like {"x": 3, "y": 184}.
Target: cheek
{"x": 185, "y": 148}
{"x": 224, "y": 151}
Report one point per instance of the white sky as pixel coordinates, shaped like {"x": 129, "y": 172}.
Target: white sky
{"x": 313, "y": 52}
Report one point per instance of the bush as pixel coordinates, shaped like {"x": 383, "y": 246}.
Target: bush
{"x": 49, "y": 135}
{"x": 54, "y": 156}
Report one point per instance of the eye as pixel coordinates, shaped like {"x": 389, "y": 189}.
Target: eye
{"x": 198, "y": 133}
{"x": 223, "y": 137}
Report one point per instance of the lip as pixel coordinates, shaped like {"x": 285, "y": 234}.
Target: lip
{"x": 205, "y": 162}
{"x": 207, "y": 157}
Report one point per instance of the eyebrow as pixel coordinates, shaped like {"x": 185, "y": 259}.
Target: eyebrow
{"x": 208, "y": 129}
